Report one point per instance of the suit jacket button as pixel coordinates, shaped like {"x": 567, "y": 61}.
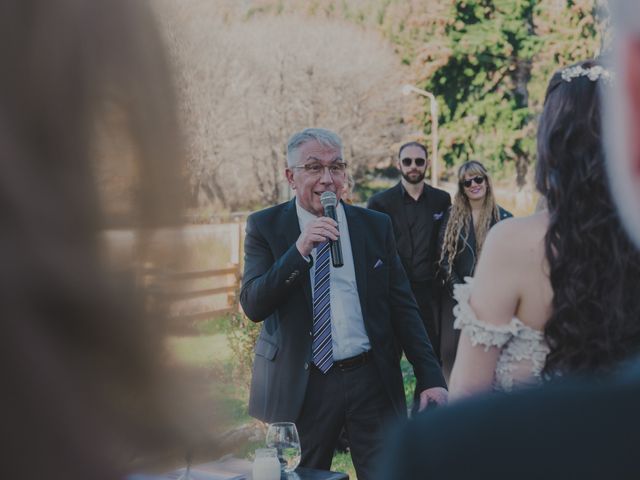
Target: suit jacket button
{"x": 306, "y": 366}
{"x": 287, "y": 281}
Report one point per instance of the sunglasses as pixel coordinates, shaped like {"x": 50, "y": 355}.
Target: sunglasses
{"x": 420, "y": 162}
{"x": 467, "y": 183}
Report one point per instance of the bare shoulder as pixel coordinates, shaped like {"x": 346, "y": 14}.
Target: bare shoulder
{"x": 515, "y": 235}
{"x": 512, "y": 253}
{"x": 513, "y": 246}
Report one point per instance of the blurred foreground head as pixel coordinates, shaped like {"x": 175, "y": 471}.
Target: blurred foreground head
{"x": 80, "y": 351}
{"x": 622, "y": 110}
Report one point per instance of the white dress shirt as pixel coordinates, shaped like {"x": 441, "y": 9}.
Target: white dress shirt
{"x": 348, "y": 335}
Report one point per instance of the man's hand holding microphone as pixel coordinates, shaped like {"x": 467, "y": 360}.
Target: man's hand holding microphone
{"x": 322, "y": 229}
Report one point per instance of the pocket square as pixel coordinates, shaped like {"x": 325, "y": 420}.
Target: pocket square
{"x": 378, "y": 264}
{"x": 438, "y": 216}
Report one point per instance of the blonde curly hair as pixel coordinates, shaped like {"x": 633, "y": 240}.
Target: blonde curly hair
{"x": 460, "y": 215}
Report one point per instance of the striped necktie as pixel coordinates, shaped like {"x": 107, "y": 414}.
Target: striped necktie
{"x": 322, "y": 348}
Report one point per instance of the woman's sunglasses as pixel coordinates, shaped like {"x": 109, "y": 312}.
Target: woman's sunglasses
{"x": 406, "y": 162}
{"x": 479, "y": 181}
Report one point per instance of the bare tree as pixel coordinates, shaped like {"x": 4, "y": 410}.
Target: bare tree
{"x": 246, "y": 86}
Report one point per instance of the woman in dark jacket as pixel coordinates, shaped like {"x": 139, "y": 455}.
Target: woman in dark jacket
{"x": 464, "y": 229}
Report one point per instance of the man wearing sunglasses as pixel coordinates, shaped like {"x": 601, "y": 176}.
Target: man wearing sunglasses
{"x": 416, "y": 210}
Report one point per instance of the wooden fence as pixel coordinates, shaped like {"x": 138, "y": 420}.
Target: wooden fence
{"x": 184, "y": 291}
{"x": 202, "y": 294}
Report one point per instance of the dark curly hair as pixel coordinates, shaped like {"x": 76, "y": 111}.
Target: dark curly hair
{"x": 594, "y": 268}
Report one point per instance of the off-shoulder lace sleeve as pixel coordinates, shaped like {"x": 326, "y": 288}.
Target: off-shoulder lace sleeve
{"x": 480, "y": 333}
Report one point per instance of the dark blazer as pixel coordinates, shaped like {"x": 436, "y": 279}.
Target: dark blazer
{"x": 276, "y": 290}
{"x": 464, "y": 264}
{"x": 391, "y": 202}
{"x": 578, "y": 429}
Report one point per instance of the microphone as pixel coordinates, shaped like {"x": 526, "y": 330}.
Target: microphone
{"x": 329, "y": 202}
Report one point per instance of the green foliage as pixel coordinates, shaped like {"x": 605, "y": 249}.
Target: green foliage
{"x": 342, "y": 463}
{"x": 490, "y": 85}
{"x": 487, "y": 62}
{"x": 242, "y": 336}
{"x": 213, "y": 326}
{"x": 409, "y": 380}
{"x": 232, "y": 398}
{"x": 483, "y": 85}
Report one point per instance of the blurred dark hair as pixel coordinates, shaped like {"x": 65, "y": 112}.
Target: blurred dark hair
{"x": 80, "y": 358}
{"x": 594, "y": 268}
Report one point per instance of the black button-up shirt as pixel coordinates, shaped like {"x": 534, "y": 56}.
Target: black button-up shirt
{"x": 417, "y": 218}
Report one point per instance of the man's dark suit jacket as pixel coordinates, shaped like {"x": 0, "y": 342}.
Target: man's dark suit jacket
{"x": 277, "y": 290}
{"x": 391, "y": 202}
{"x": 581, "y": 429}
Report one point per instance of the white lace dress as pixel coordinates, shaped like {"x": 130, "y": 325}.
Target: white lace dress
{"x": 523, "y": 349}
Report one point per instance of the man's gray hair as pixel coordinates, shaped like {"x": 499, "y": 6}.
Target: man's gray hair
{"x": 324, "y": 137}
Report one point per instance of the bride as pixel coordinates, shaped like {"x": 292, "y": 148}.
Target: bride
{"x": 559, "y": 291}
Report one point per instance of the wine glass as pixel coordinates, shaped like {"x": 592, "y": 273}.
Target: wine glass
{"x": 283, "y": 436}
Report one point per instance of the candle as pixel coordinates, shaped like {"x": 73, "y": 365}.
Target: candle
{"x": 266, "y": 465}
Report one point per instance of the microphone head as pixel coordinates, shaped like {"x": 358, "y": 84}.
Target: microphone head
{"x": 328, "y": 199}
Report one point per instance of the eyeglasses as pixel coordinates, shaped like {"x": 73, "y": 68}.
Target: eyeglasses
{"x": 420, "y": 162}
{"x": 467, "y": 183}
{"x": 317, "y": 169}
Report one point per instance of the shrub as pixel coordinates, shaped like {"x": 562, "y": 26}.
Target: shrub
{"x": 242, "y": 334}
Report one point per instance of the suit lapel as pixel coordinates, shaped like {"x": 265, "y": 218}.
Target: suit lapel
{"x": 359, "y": 253}
{"x": 290, "y": 227}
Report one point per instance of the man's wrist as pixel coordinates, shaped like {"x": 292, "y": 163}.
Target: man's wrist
{"x": 305, "y": 255}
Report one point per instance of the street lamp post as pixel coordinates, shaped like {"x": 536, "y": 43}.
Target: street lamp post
{"x": 406, "y": 90}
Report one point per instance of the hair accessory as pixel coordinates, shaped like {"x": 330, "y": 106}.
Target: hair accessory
{"x": 593, "y": 73}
